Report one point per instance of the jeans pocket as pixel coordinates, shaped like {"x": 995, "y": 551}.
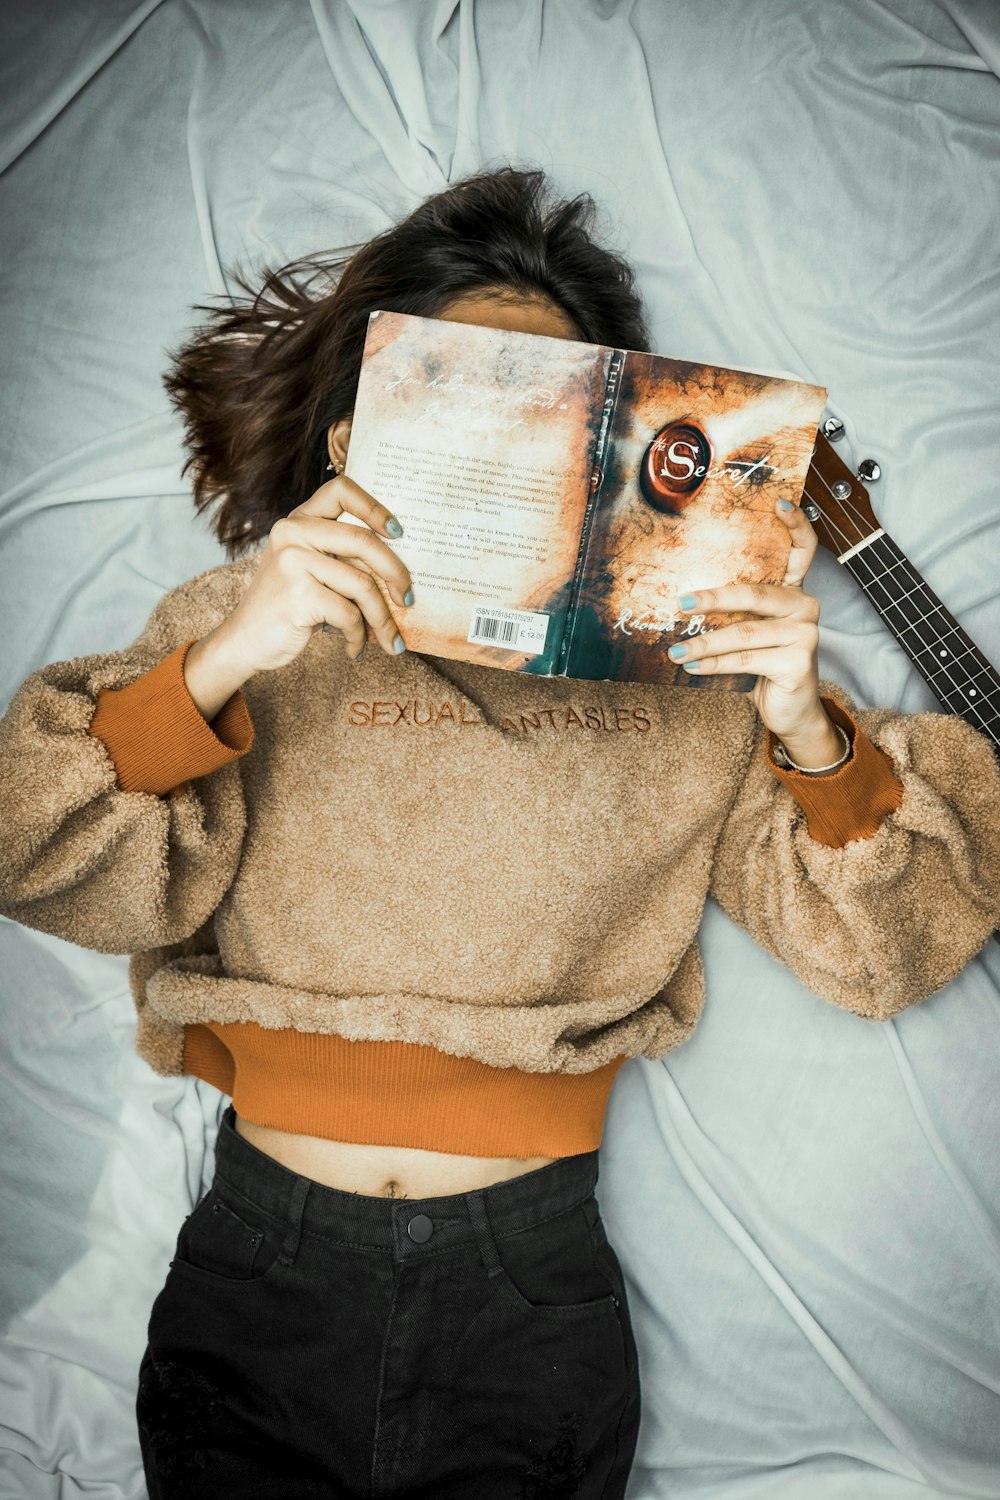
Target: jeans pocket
{"x": 604, "y": 1254}
{"x": 606, "y": 1258}
{"x": 228, "y": 1239}
{"x": 550, "y": 1270}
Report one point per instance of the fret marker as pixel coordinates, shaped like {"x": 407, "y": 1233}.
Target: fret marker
{"x": 972, "y": 692}
{"x": 942, "y": 653}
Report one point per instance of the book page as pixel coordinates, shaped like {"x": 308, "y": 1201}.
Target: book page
{"x": 481, "y": 442}
{"x": 696, "y": 457}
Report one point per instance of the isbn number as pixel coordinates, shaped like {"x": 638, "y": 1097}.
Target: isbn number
{"x": 520, "y": 628}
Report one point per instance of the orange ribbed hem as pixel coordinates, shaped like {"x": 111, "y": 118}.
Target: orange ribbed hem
{"x": 156, "y": 735}
{"x": 850, "y": 803}
{"x": 397, "y": 1093}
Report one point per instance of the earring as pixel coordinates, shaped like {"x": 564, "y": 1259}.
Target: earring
{"x": 334, "y": 466}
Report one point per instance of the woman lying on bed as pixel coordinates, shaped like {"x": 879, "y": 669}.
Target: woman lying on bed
{"x": 416, "y": 949}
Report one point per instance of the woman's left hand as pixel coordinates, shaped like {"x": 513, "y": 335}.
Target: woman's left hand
{"x": 781, "y": 647}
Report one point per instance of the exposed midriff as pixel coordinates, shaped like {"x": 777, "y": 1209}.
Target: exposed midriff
{"x": 394, "y": 1119}
{"x": 384, "y": 1171}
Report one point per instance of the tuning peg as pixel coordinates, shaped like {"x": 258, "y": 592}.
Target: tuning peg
{"x": 869, "y": 471}
{"x": 833, "y": 429}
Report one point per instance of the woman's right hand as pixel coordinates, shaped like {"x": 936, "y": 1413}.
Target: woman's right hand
{"x": 305, "y": 578}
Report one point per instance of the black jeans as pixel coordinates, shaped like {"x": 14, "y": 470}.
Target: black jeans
{"x": 315, "y": 1343}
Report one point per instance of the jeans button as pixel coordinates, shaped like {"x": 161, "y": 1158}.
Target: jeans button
{"x": 420, "y": 1228}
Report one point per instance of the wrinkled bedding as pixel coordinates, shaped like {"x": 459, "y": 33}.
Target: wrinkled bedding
{"x": 805, "y": 1205}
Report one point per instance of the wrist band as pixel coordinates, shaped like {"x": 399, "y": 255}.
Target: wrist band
{"x": 784, "y": 760}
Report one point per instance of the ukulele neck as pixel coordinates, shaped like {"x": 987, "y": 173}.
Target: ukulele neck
{"x": 950, "y": 662}
{"x": 947, "y": 658}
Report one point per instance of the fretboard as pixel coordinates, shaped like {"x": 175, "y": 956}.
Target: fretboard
{"x": 954, "y": 668}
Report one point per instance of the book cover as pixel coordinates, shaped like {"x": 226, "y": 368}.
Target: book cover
{"x": 558, "y": 497}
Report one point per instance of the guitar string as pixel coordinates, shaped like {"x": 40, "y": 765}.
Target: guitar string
{"x": 903, "y": 562}
{"x": 968, "y": 705}
{"x": 959, "y": 659}
{"x": 973, "y": 693}
{"x": 983, "y": 668}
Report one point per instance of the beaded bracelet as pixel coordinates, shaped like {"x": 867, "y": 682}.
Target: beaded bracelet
{"x": 784, "y": 760}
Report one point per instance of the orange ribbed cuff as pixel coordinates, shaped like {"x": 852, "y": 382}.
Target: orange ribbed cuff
{"x": 397, "y": 1093}
{"x": 850, "y": 803}
{"x": 156, "y": 735}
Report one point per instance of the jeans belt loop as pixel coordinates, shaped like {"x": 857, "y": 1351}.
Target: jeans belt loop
{"x": 296, "y": 1209}
{"x": 484, "y": 1232}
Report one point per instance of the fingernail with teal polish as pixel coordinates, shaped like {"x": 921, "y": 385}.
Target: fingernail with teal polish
{"x": 408, "y": 597}
{"x": 687, "y": 601}
{"x": 691, "y": 666}
{"x": 393, "y": 527}
{"x": 785, "y": 505}
{"x": 397, "y": 645}
{"x": 677, "y": 651}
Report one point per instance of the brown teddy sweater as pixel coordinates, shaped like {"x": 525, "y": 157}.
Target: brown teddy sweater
{"x": 418, "y": 902}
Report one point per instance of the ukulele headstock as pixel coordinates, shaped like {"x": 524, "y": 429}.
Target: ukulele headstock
{"x": 835, "y": 501}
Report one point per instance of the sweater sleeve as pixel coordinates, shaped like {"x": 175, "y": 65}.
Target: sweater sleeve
{"x": 876, "y": 890}
{"x": 90, "y": 849}
{"x": 849, "y": 803}
{"x": 156, "y": 735}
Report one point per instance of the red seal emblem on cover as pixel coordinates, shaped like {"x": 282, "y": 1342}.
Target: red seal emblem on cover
{"x": 674, "y": 466}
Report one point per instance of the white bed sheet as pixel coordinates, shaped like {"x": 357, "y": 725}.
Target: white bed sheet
{"x": 805, "y": 1205}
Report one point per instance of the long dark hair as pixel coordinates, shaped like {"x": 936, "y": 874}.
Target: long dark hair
{"x": 261, "y": 381}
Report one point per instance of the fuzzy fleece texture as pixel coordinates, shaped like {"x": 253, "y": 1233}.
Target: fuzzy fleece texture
{"x": 484, "y": 869}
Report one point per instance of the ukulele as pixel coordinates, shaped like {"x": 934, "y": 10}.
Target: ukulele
{"x": 949, "y": 661}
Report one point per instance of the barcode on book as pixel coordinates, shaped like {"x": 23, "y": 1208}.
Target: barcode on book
{"x": 520, "y": 628}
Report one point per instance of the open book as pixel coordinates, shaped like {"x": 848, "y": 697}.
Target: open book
{"x": 557, "y": 498}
